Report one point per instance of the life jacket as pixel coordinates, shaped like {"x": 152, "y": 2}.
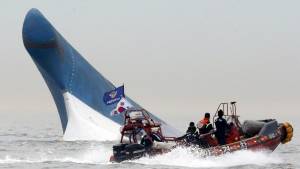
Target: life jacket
{"x": 204, "y": 126}
{"x": 203, "y": 122}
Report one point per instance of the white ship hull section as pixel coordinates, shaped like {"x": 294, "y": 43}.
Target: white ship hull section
{"x": 85, "y": 123}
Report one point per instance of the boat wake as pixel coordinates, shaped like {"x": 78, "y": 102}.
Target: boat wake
{"x": 185, "y": 157}
{"x": 98, "y": 153}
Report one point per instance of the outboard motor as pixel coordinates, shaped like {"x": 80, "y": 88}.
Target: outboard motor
{"x": 123, "y": 152}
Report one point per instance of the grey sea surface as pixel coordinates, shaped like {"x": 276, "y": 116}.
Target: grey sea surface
{"x": 33, "y": 145}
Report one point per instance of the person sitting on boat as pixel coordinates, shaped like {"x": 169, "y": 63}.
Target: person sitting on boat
{"x": 204, "y": 125}
{"x": 191, "y": 133}
{"x": 221, "y": 127}
{"x": 205, "y": 130}
{"x": 191, "y": 129}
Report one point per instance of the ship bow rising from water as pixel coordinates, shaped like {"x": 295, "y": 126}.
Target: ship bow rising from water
{"x": 77, "y": 87}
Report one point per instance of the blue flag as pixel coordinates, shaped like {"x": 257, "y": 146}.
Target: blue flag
{"x": 114, "y": 96}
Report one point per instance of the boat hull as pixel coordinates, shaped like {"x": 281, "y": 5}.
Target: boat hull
{"x": 268, "y": 139}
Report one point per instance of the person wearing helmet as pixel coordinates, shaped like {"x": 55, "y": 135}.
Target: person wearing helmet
{"x": 204, "y": 125}
{"x": 221, "y": 127}
{"x": 191, "y": 129}
{"x": 191, "y": 133}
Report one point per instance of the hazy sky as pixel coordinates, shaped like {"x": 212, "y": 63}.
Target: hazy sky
{"x": 176, "y": 58}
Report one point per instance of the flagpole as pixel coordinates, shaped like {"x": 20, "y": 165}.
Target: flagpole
{"x": 124, "y": 90}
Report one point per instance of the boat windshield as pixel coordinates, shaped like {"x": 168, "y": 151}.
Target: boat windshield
{"x": 136, "y": 115}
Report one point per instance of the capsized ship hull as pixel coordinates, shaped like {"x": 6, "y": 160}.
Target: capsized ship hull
{"x": 76, "y": 86}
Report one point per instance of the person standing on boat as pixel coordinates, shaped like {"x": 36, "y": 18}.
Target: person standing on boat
{"x": 204, "y": 125}
{"x": 221, "y": 127}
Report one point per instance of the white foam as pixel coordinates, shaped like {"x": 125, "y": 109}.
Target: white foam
{"x": 183, "y": 157}
{"x": 188, "y": 158}
{"x": 93, "y": 155}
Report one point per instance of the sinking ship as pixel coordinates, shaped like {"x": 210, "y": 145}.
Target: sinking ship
{"x": 76, "y": 86}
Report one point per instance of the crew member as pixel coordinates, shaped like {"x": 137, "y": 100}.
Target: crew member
{"x": 205, "y": 129}
{"x": 191, "y": 132}
{"x": 191, "y": 129}
{"x": 221, "y": 127}
{"x": 204, "y": 125}
{"x": 147, "y": 141}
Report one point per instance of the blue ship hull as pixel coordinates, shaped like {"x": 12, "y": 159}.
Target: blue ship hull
{"x": 66, "y": 71}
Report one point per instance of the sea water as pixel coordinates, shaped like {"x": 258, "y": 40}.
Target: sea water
{"x": 37, "y": 144}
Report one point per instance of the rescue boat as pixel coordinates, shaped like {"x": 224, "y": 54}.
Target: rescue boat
{"x": 252, "y": 135}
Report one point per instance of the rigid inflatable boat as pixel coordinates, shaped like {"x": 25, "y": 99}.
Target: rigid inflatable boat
{"x": 252, "y": 135}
